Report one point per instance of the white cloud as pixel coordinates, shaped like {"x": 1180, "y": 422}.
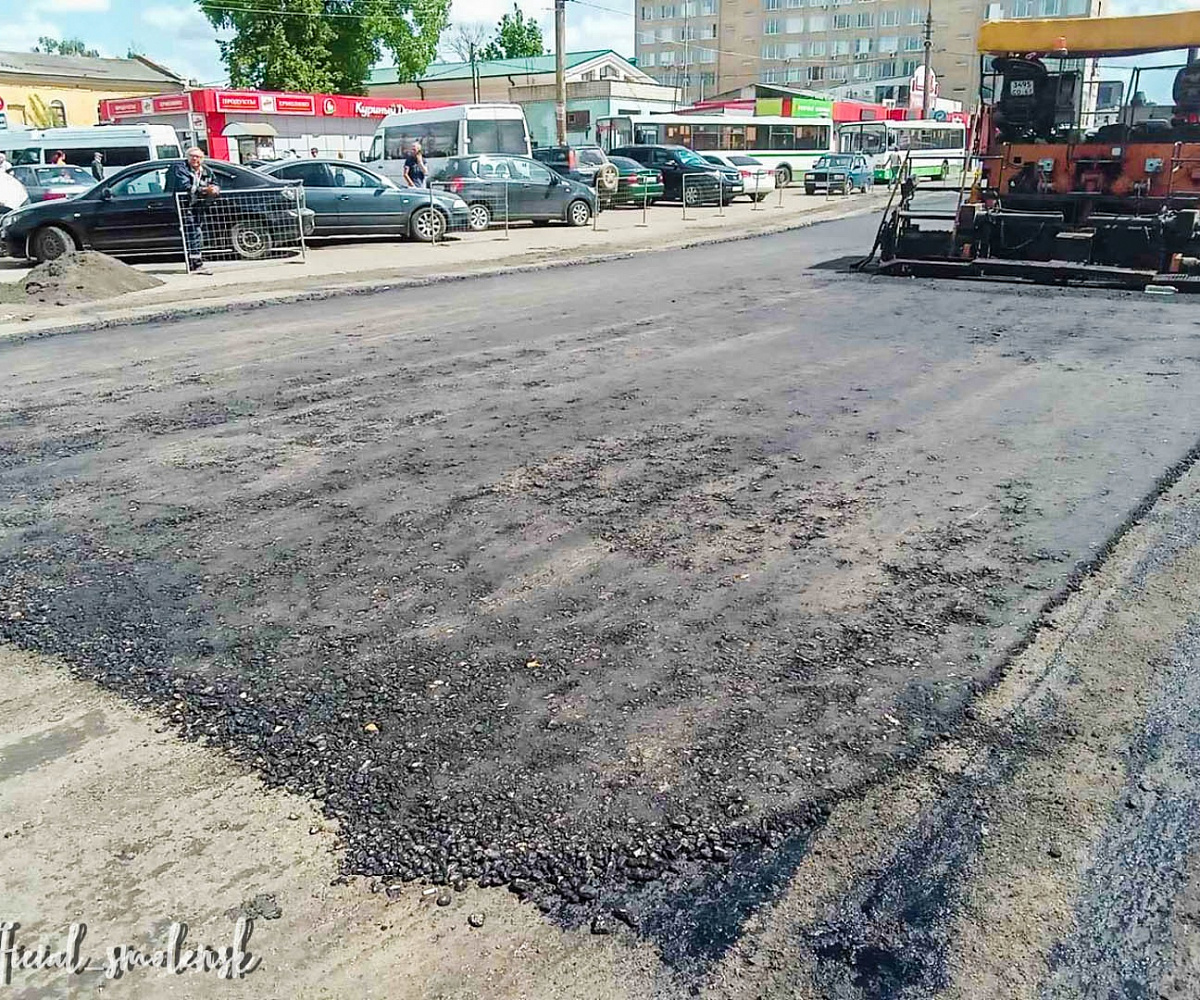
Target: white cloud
{"x": 22, "y": 35}
{"x": 68, "y": 6}
{"x": 183, "y": 40}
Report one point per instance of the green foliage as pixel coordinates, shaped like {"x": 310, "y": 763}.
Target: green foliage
{"x": 516, "y": 38}
{"x": 64, "y": 47}
{"x": 324, "y": 45}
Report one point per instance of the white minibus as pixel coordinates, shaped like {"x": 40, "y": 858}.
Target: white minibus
{"x": 459, "y": 130}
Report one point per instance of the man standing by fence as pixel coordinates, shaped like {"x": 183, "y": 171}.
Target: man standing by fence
{"x": 194, "y": 188}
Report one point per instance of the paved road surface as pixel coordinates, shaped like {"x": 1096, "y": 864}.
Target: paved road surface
{"x": 684, "y": 585}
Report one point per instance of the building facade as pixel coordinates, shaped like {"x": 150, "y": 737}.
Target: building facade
{"x": 599, "y": 83}
{"x": 70, "y": 88}
{"x": 862, "y": 49}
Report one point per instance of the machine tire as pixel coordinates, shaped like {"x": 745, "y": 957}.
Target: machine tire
{"x": 427, "y": 225}
{"x": 250, "y": 239}
{"x": 479, "y": 216}
{"x": 760, "y": 196}
{"x": 579, "y": 213}
{"x": 50, "y": 243}
{"x": 691, "y": 195}
{"x": 810, "y": 190}
{"x": 783, "y": 176}
{"x": 607, "y": 178}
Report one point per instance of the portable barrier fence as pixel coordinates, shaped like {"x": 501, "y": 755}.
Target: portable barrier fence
{"x": 251, "y": 224}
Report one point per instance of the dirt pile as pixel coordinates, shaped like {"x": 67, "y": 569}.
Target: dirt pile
{"x": 79, "y": 276}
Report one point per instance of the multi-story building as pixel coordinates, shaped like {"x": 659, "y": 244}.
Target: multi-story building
{"x": 866, "y": 49}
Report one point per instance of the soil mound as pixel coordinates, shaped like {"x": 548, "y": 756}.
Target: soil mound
{"x": 80, "y": 276}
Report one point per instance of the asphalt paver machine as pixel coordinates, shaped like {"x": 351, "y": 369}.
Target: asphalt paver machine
{"x": 1067, "y": 187}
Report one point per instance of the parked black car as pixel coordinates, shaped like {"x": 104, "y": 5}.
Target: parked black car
{"x": 686, "y": 174}
{"x": 352, "y": 199}
{"x": 587, "y": 164}
{"x": 133, "y": 212}
{"x": 493, "y": 186}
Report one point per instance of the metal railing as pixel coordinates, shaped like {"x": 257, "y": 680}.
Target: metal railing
{"x": 246, "y": 224}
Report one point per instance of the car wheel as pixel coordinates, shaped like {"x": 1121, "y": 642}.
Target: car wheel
{"x": 250, "y": 239}
{"x": 51, "y": 242}
{"x": 810, "y": 190}
{"x": 691, "y": 195}
{"x": 427, "y": 225}
{"x": 479, "y": 217}
{"x": 579, "y": 213}
{"x": 607, "y": 178}
{"x": 783, "y": 176}
{"x": 761, "y": 196}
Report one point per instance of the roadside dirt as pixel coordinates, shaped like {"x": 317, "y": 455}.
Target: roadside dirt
{"x": 79, "y": 276}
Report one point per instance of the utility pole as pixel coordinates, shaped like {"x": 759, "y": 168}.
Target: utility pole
{"x": 560, "y": 70}
{"x": 474, "y": 73}
{"x": 928, "y": 48}
{"x": 687, "y": 68}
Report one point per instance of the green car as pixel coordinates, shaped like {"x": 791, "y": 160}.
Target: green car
{"x": 636, "y": 184}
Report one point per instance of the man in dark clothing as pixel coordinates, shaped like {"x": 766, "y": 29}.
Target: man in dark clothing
{"x": 414, "y": 167}
{"x": 194, "y": 187}
{"x": 98, "y": 166}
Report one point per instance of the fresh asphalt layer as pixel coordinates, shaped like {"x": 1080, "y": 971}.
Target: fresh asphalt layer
{"x": 609, "y": 584}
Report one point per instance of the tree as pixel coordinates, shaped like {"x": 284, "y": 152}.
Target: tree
{"x": 467, "y": 42}
{"x": 324, "y": 45}
{"x": 516, "y": 38}
{"x": 64, "y": 47}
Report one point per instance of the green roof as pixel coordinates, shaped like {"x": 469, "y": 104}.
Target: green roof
{"x": 489, "y": 67}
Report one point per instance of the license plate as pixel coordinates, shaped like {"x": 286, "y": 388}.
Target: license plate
{"x": 1021, "y": 88}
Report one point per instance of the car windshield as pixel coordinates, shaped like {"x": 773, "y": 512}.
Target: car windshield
{"x": 691, "y": 159}
{"x": 63, "y": 177}
{"x": 745, "y": 161}
{"x": 591, "y": 158}
{"x": 836, "y": 162}
{"x": 715, "y": 159}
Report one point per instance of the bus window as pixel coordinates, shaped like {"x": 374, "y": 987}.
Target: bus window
{"x": 733, "y": 137}
{"x": 166, "y": 152}
{"x": 812, "y": 137}
{"x": 24, "y": 157}
{"x": 114, "y": 156}
{"x": 647, "y": 135}
{"x": 503, "y": 135}
{"x": 376, "y": 152}
{"x": 678, "y": 135}
{"x": 782, "y": 137}
{"x": 705, "y": 137}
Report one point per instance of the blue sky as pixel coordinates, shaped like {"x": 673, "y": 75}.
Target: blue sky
{"x": 175, "y": 33}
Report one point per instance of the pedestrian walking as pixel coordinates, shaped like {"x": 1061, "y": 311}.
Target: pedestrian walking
{"x": 414, "y": 167}
{"x": 314, "y": 152}
{"x": 98, "y": 166}
{"x": 58, "y": 159}
{"x": 195, "y": 189}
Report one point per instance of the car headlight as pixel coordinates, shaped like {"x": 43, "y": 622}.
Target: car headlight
{"x": 459, "y": 203}
{"x": 839, "y": 177}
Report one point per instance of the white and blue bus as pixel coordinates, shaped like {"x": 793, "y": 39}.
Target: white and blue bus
{"x": 932, "y": 149}
{"x": 789, "y": 146}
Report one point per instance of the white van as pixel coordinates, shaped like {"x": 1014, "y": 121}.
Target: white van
{"x": 461, "y": 130}
{"x": 121, "y": 145}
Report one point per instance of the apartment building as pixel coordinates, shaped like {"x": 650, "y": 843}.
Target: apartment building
{"x": 865, "y": 49}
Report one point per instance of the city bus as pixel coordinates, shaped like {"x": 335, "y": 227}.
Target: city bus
{"x": 458, "y": 130}
{"x": 788, "y": 145}
{"x": 120, "y": 145}
{"x": 932, "y": 149}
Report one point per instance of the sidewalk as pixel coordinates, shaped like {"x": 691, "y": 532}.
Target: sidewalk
{"x": 344, "y": 267}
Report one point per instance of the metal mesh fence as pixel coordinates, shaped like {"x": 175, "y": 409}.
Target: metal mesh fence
{"x": 252, "y": 224}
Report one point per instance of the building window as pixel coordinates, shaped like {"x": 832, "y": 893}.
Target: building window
{"x": 645, "y": 37}
{"x": 912, "y": 43}
{"x": 816, "y": 22}
{"x": 841, "y": 21}
{"x": 794, "y": 74}
{"x": 889, "y": 43}
{"x": 689, "y": 8}
{"x": 772, "y": 51}
{"x": 770, "y": 76}
{"x": 708, "y": 7}
{"x": 1051, "y": 8}
{"x": 889, "y": 18}
{"x": 771, "y": 26}
{"x": 887, "y": 69}
{"x": 862, "y": 71}
{"x": 666, "y": 34}
{"x": 908, "y": 67}
{"x": 795, "y": 25}
{"x": 647, "y": 13}
{"x": 58, "y": 114}
{"x": 666, "y": 12}
{"x": 708, "y": 55}
{"x": 793, "y": 4}
{"x": 666, "y": 58}
{"x": 839, "y": 72}
{"x": 1078, "y": 8}
{"x": 863, "y": 46}
{"x": 814, "y": 74}
{"x": 839, "y": 47}
{"x": 917, "y": 16}
{"x": 865, "y": 19}
{"x": 816, "y": 47}
{"x": 793, "y": 50}
{"x": 709, "y": 32}
{"x": 647, "y": 59}
{"x": 770, "y": 4}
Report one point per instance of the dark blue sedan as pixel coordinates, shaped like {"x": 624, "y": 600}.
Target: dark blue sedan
{"x": 350, "y": 199}
{"x": 839, "y": 172}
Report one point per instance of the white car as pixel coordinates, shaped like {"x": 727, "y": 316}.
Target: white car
{"x": 12, "y": 193}
{"x": 758, "y": 180}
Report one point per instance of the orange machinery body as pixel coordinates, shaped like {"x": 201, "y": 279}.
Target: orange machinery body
{"x": 1136, "y": 169}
